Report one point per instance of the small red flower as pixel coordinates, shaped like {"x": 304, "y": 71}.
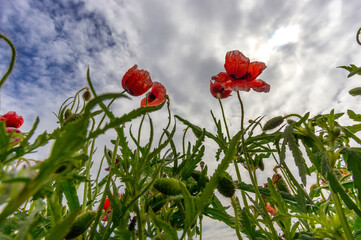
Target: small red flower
{"x": 116, "y": 162}
{"x": 218, "y": 90}
{"x": 241, "y": 74}
{"x": 155, "y": 97}
{"x": 107, "y": 208}
{"x": 270, "y": 209}
{"x": 12, "y": 119}
{"x": 136, "y": 82}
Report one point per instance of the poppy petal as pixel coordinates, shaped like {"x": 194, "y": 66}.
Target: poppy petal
{"x": 155, "y": 97}
{"x": 221, "y": 77}
{"x": 12, "y": 119}
{"x": 218, "y": 91}
{"x": 259, "y": 85}
{"x": 237, "y": 85}
{"x": 136, "y": 82}
{"x": 236, "y": 63}
{"x": 255, "y": 69}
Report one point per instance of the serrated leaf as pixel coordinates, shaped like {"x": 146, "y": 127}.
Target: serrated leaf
{"x": 189, "y": 207}
{"x": 356, "y": 71}
{"x": 296, "y": 152}
{"x": 354, "y": 128}
{"x": 354, "y": 116}
{"x": 168, "y": 229}
{"x": 71, "y": 195}
{"x": 353, "y": 161}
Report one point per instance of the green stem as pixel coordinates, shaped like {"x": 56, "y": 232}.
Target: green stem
{"x": 12, "y": 61}
{"x": 236, "y": 220}
{"x": 224, "y": 119}
{"x": 252, "y": 177}
{"x": 341, "y": 215}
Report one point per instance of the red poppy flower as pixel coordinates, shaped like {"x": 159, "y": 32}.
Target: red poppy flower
{"x": 107, "y": 208}
{"x": 12, "y": 119}
{"x": 136, "y": 82}
{"x": 218, "y": 90}
{"x": 241, "y": 74}
{"x": 155, "y": 97}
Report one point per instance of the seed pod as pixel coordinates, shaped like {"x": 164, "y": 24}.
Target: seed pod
{"x": 168, "y": 186}
{"x": 81, "y": 224}
{"x": 87, "y": 95}
{"x": 280, "y": 183}
{"x": 273, "y": 123}
{"x": 67, "y": 113}
{"x": 73, "y": 118}
{"x": 226, "y": 185}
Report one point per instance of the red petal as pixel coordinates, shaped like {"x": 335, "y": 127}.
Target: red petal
{"x": 106, "y": 204}
{"x": 136, "y": 82}
{"x": 221, "y": 77}
{"x": 236, "y": 63}
{"x": 259, "y": 85}
{"x": 12, "y": 120}
{"x": 155, "y": 97}
{"x": 218, "y": 91}
{"x": 237, "y": 85}
{"x": 255, "y": 69}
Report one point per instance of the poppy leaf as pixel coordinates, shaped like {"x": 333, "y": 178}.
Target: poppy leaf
{"x": 354, "y": 116}
{"x": 353, "y": 161}
{"x": 168, "y": 229}
{"x": 189, "y": 207}
{"x": 71, "y": 195}
{"x": 355, "y": 91}
{"x": 296, "y": 152}
{"x": 356, "y": 71}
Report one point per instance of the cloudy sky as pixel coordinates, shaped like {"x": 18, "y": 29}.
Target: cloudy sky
{"x": 182, "y": 44}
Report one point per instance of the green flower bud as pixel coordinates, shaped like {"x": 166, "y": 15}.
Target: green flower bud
{"x": 67, "y": 113}
{"x": 73, "y": 118}
{"x": 273, "y": 123}
{"x": 226, "y": 185}
{"x": 81, "y": 224}
{"x": 168, "y": 186}
{"x": 282, "y": 186}
{"x": 87, "y": 95}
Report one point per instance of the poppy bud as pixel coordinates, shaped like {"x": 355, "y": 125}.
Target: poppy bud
{"x": 273, "y": 123}
{"x": 87, "y": 95}
{"x": 336, "y": 131}
{"x": 226, "y": 185}
{"x": 81, "y": 224}
{"x": 282, "y": 186}
{"x": 73, "y": 118}
{"x": 67, "y": 113}
{"x": 168, "y": 186}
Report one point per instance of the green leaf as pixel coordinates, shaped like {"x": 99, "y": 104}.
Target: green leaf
{"x": 168, "y": 229}
{"x": 61, "y": 229}
{"x": 353, "y": 161}
{"x": 356, "y": 71}
{"x": 355, "y": 91}
{"x": 354, "y": 128}
{"x": 189, "y": 207}
{"x": 71, "y": 195}
{"x": 354, "y": 116}
{"x": 296, "y": 152}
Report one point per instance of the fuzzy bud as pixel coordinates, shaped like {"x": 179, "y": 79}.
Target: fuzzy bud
{"x": 87, "y": 95}
{"x": 168, "y": 186}
{"x": 226, "y": 185}
{"x": 81, "y": 224}
{"x": 273, "y": 123}
{"x": 67, "y": 113}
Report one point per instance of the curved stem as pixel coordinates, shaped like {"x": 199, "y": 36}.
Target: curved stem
{"x": 341, "y": 215}
{"x": 12, "y": 61}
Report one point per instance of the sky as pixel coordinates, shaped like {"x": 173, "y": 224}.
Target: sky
{"x": 182, "y": 44}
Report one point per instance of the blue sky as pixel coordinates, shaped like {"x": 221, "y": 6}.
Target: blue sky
{"x": 182, "y": 44}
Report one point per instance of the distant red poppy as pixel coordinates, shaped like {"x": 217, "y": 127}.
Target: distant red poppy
{"x": 136, "y": 82}
{"x": 270, "y": 209}
{"x": 241, "y": 74}
{"x": 12, "y": 119}
{"x": 218, "y": 90}
{"x": 155, "y": 97}
{"x": 116, "y": 162}
{"x": 107, "y": 208}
